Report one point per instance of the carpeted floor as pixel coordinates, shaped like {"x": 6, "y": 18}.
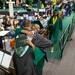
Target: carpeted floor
{"x": 67, "y": 65}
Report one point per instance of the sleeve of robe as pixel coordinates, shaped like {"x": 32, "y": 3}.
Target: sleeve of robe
{"x": 41, "y": 42}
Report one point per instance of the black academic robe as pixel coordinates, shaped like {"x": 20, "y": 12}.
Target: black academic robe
{"x": 24, "y": 65}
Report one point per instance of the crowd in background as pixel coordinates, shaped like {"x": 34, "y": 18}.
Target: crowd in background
{"x": 39, "y": 27}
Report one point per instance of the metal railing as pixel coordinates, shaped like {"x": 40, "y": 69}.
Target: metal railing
{"x": 67, "y": 34}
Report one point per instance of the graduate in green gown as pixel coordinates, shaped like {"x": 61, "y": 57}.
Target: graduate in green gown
{"x": 51, "y": 24}
{"x": 54, "y": 27}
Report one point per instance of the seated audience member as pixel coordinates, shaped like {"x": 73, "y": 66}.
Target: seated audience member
{"x": 68, "y": 8}
{"x": 15, "y": 23}
{"x": 6, "y": 22}
{"x": 21, "y": 23}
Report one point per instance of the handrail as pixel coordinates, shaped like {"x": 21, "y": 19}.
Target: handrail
{"x": 68, "y": 29}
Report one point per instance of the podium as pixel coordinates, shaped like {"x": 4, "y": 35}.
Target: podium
{"x": 5, "y": 59}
